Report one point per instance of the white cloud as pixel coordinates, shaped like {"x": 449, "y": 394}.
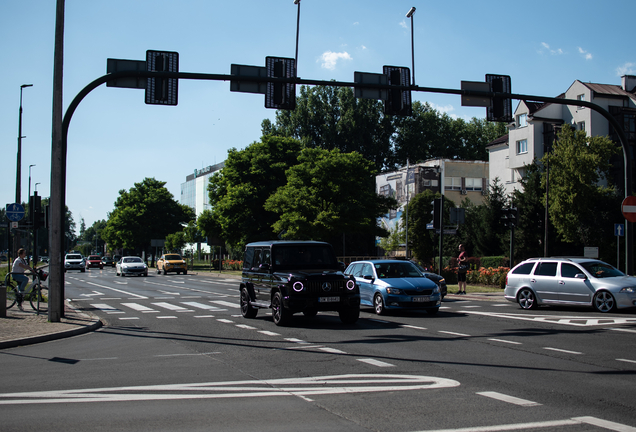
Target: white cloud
{"x": 626, "y": 69}
{"x": 329, "y": 59}
{"x": 403, "y": 24}
{"x": 557, "y": 51}
{"x": 448, "y": 109}
{"x": 586, "y": 54}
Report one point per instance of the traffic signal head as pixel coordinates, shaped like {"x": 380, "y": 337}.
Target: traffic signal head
{"x": 437, "y": 211}
{"x": 398, "y": 101}
{"x": 501, "y": 108}
{"x": 280, "y": 95}
{"x": 509, "y": 217}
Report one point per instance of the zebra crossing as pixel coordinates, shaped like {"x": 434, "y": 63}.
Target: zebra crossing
{"x": 161, "y": 306}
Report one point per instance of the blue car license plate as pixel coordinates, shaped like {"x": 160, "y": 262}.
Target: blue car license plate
{"x": 328, "y": 299}
{"x": 422, "y": 299}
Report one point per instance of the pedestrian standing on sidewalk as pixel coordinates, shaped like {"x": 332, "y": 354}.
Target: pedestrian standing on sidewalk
{"x": 462, "y": 270}
{"x": 19, "y": 267}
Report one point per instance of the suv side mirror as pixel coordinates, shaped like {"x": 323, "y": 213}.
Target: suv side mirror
{"x": 342, "y": 266}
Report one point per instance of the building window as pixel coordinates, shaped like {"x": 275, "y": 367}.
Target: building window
{"x": 453, "y": 183}
{"x": 580, "y": 126}
{"x": 522, "y": 146}
{"x": 473, "y": 184}
{"x": 522, "y": 120}
{"x": 580, "y": 97}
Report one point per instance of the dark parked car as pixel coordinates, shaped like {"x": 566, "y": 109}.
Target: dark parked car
{"x": 296, "y": 276}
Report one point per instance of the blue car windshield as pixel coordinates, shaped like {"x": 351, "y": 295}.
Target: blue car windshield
{"x": 601, "y": 270}
{"x": 396, "y": 270}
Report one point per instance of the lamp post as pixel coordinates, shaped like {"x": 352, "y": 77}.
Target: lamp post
{"x": 30, "y": 180}
{"x": 36, "y": 186}
{"x": 18, "y": 183}
{"x": 410, "y": 14}
{"x": 297, "y": 2}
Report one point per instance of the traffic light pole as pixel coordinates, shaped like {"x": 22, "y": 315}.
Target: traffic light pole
{"x": 59, "y": 151}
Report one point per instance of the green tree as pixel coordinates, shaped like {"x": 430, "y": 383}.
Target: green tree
{"x": 581, "y": 205}
{"x": 327, "y": 194}
{"x": 483, "y": 232}
{"x": 147, "y": 211}
{"x": 175, "y": 242}
{"x": 239, "y": 191}
{"x": 330, "y": 118}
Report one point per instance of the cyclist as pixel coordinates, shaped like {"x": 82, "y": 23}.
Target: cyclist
{"x": 19, "y": 267}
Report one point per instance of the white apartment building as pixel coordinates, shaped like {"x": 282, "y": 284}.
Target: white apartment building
{"x": 535, "y": 126}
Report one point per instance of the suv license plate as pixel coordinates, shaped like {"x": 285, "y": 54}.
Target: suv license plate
{"x": 328, "y": 299}
{"x": 422, "y": 299}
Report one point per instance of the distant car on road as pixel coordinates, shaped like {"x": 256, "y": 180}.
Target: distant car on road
{"x": 108, "y": 261}
{"x": 570, "y": 281}
{"x": 439, "y": 280}
{"x": 394, "y": 284}
{"x": 74, "y": 261}
{"x": 94, "y": 261}
{"x": 131, "y": 265}
{"x": 171, "y": 263}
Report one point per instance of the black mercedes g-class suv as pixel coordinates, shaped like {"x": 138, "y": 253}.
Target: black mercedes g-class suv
{"x": 296, "y": 276}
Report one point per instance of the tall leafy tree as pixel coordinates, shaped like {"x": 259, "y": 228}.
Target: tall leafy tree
{"x": 147, "y": 211}
{"x": 328, "y": 193}
{"x": 239, "y": 191}
{"x": 332, "y": 118}
{"x": 581, "y": 202}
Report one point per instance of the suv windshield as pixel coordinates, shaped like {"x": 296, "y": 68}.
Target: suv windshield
{"x": 304, "y": 257}
{"x": 73, "y": 257}
{"x": 173, "y": 257}
{"x": 601, "y": 270}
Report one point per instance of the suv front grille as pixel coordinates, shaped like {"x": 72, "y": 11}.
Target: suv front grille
{"x": 315, "y": 287}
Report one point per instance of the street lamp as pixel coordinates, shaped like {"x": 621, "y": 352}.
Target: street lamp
{"x": 297, "y": 2}
{"x": 30, "y": 180}
{"x": 36, "y": 186}
{"x": 410, "y": 14}
{"x": 18, "y": 183}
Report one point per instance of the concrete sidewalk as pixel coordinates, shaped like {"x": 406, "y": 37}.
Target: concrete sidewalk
{"x": 25, "y": 328}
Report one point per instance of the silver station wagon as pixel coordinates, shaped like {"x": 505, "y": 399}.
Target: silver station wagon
{"x": 570, "y": 281}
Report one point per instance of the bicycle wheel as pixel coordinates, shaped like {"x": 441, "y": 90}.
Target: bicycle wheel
{"x": 41, "y": 294}
{"x": 12, "y": 294}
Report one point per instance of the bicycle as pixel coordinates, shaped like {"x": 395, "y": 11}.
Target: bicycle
{"x": 37, "y": 294}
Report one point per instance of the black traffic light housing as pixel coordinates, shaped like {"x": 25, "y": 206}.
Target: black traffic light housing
{"x": 162, "y": 91}
{"x": 398, "y": 101}
{"x": 510, "y": 216}
{"x": 280, "y": 95}
{"x": 35, "y": 211}
{"x": 501, "y": 108}
{"x": 437, "y": 208}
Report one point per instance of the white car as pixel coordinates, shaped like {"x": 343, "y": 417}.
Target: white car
{"x": 74, "y": 261}
{"x": 131, "y": 265}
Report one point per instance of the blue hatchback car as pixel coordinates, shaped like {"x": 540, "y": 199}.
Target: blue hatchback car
{"x": 393, "y": 284}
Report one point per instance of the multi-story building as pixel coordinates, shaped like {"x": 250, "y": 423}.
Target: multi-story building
{"x": 194, "y": 192}
{"x": 536, "y": 124}
{"x": 456, "y": 179}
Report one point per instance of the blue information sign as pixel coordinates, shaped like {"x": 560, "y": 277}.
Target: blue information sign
{"x": 619, "y": 230}
{"x": 15, "y": 212}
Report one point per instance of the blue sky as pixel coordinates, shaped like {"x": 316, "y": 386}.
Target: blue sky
{"x": 116, "y": 140}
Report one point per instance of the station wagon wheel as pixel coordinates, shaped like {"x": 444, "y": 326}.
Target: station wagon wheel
{"x": 378, "y": 304}
{"x": 527, "y": 299}
{"x": 604, "y": 302}
{"x": 279, "y": 313}
{"x": 246, "y": 308}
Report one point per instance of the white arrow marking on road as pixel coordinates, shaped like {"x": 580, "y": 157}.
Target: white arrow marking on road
{"x": 299, "y": 387}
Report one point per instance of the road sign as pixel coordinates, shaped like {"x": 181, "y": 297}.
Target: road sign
{"x": 15, "y": 212}
{"x": 619, "y": 230}
{"x": 629, "y": 208}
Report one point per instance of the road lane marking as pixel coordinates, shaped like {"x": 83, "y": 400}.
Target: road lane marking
{"x": 374, "y": 362}
{"x": 412, "y": 327}
{"x": 269, "y": 333}
{"x": 226, "y": 321}
{"x": 138, "y": 307}
{"x": 167, "y": 317}
{"x": 453, "y": 333}
{"x": 509, "y": 399}
{"x": 295, "y": 387}
{"x": 332, "y": 350}
{"x": 224, "y": 303}
{"x": 201, "y": 306}
{"x": 172, "y": 307}
{"x": 129, "y": 318}
{"x": 203, "y": 316}
{"x": 579, "y": 321}
{"x": 245, "y": 326}
{"x": 299, "y": 341}
{"x": 624, "y": 330}
{"x": 505, "y": 341}
{"x": 562, "y": 350}
{"x": 626, "y": 360}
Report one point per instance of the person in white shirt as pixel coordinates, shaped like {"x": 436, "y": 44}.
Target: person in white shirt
{"x": 20, "y": 265}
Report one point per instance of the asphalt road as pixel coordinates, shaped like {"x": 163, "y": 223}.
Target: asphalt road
{"x": 177, "y": 355}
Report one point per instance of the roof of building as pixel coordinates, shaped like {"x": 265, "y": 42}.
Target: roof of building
{"x": 501, "y": 140}
{"x": 609, "y": 89}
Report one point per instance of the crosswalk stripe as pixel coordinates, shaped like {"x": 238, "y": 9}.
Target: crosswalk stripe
{"x": 201, "y": 306}
{"x": 226, "y": 303}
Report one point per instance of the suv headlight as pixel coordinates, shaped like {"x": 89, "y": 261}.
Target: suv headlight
{"x": 351, "y": 285}
{"x": 298, "y": 286}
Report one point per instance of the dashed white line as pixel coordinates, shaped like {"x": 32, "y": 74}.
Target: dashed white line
{"x": 375, "y": 362}
{"x": 332, "y": 350}
{"x": 509, "y": 399}
{"x": 245, "y": 326}
{"x": 269, "y": 333}
{"x": 412, "y": 327}
{"x": 226, "y": 321}
{"x": 453, "y": 333}
{"x": 626, "y": 360}
{"x": 562, "y": 350}
{"x": 505, "y": 341}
